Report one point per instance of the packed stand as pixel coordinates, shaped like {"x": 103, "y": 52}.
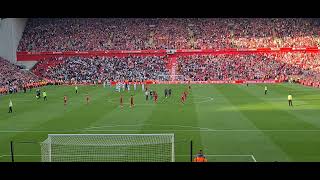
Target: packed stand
{"x": 233, "y": 67}
{"x": 98, "y": 69}
{"x": 308, "y": 62}
{"x": 138, "y": 34}
{"x": 13, "y": 79}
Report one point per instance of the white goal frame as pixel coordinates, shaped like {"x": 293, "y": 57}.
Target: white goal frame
{"x": 48, "y": 142}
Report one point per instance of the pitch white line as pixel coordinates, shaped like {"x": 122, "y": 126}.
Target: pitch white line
{"x": 231, "y": 155}
{"x": 26, "y": 155}
{"x": 97, "y": 127}
{"x": 162, "y": 130}
{"x": 21, "y": 130}
{"x": 179, "y": 155}
{"x": 195, "y": 129}
{"x": 94, "y": 127}
{"x": 200, "y": 129}
{"x": 208, "y": 155}
{"x": 254, "y": 159}
{"x": 215, "y": 130}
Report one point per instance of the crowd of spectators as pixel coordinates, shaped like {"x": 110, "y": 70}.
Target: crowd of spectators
{"x": 79, "y": 34}
{"x": 309, "y": 63}
{"x": 233, "y": 67}
{"x": 98, "y": 69}
{"x": 306, "y": 61}
{"x": 93, "y": 34}
{"x": 260, "y": 66}
{"x": 302, "y": 67}
{"x": 13, "y": 78}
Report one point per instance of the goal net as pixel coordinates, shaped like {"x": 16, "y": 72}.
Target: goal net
{"x": 108, "y": 148}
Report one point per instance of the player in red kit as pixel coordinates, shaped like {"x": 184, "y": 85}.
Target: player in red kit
{"x": 182, "y": 101}
{"x": 182, "y": 98}
{"x": 121, "y": 101}
{"x": 185, "y": 95}
{"x": 131, "y": 101}
{"x": 65, "y": 99}
{"x": 155, "y": 97}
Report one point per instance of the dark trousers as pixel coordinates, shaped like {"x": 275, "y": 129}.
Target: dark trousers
{"x": 45, "y": 98}
{"x": 265, "y": 92}
{"x": 10, "y": 110}
{"x": 290, "y": 102}
{"x": 147, "y": 97}
{"x": 76, "y": 91}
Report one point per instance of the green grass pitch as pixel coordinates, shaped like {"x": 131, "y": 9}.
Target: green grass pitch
{"x": 228, "y": 122}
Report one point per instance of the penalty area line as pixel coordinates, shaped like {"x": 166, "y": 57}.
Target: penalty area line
{"x": 254, "y": 159}
{"x": 180, "y": 155}
{"x": 159, "y": 130}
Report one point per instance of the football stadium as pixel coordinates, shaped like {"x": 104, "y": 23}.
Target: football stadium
{"x": 159, "y": 90}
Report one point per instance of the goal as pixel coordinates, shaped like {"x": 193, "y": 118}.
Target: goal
{"x": 108, "y": 148}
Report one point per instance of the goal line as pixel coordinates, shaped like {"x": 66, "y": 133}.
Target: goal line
{"x": 251, "y": 156}
{"x": 179, "y": 155}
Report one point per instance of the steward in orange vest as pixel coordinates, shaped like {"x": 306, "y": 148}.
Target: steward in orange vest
{"x": 200, "y": 157}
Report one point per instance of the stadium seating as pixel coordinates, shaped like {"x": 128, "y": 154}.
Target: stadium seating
{"x": 12, "y": 77}
{"x": 233, "y": 67}
{"x": 90, "y": 70}
{"x": 91, "y": 34}
{"x": 136, "y": 34}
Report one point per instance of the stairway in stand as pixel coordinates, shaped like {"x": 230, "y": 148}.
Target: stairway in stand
{"x": 172, "y": 66}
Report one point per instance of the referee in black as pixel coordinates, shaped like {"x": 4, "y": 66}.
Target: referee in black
{"x": 166, "y": 93}
{"x": 10, "y": 106}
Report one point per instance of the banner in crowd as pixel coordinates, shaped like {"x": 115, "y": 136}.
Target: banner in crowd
{"x": 178, "y": 82}
{"x": 217, "y": 82}
{"x": 37, "y": 56}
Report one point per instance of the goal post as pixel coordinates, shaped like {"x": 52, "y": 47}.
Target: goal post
{"x": 108, "y": 148}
